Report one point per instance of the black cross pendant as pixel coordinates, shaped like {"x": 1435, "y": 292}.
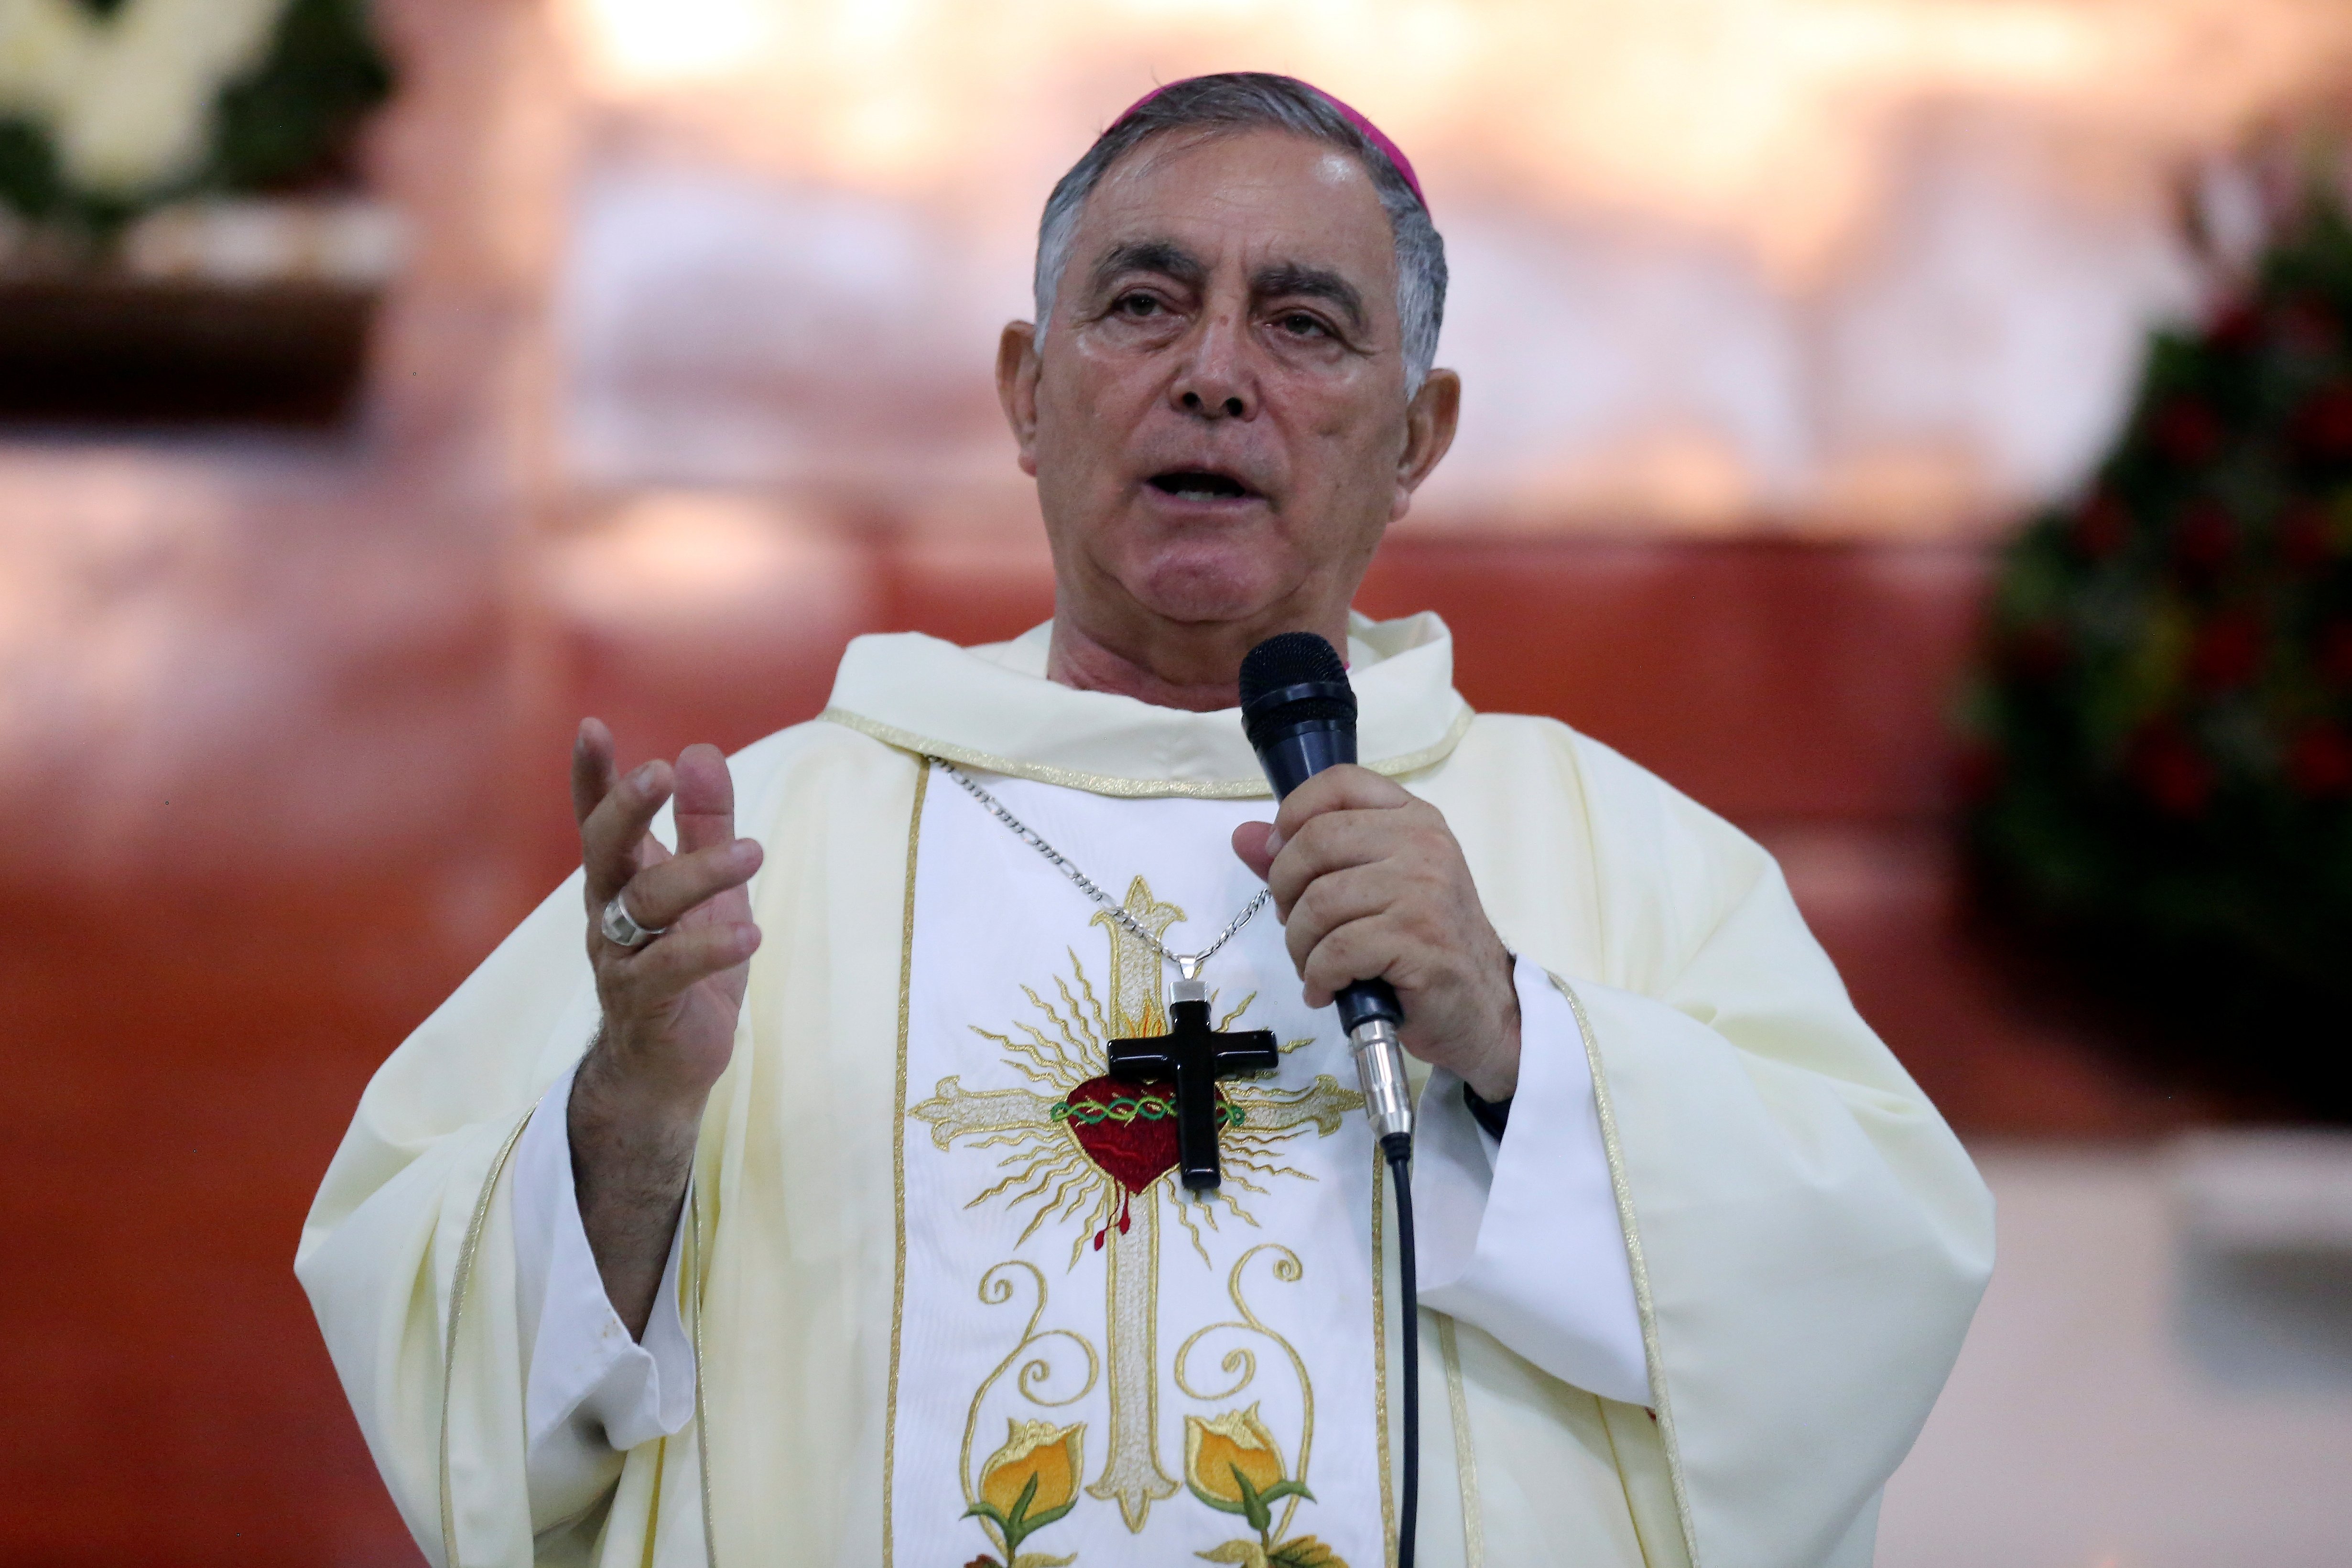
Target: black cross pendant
{"x": 1195, "y": 1056}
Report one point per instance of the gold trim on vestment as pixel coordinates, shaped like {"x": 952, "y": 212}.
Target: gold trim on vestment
{"x": 1256, "y": 788}
{"x": 653, "y": 1508}
{"x": 1641, "y": 1298}
{"x": 1465, "y": 1455}
{"x": 694, "y": 1272}
{"x": 1624, "y": 1486}
{"x": 459, "y": 1281}
{"x": 899, "y": 1161}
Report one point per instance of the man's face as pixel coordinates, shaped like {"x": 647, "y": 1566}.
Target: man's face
{"x": 1217, "y": 416}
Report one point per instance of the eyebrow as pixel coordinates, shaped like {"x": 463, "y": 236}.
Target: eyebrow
{"x": 1164, "y": 257}
{"x": 1292, "y": 279}
{"x": 1280, "y": 279}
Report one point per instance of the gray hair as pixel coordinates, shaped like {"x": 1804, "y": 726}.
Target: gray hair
{"x": 1242, "y": 101}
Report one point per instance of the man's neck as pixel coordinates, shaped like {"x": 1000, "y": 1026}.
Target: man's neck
{"x": 1194, "y": 668}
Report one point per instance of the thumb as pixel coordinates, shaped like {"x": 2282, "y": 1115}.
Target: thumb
{"x": 1254, "y": 842}
{"x": 706, "y": 798}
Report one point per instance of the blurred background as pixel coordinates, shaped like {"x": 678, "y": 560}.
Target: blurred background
{"x": 1921, "y": 429}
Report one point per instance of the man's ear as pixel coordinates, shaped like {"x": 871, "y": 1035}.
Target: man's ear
{"x": 1429, "y": 424}
{"x": 1017, "y": 367}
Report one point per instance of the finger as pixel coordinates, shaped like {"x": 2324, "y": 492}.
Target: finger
{"x": 592, "y": 773}
{"x": 639, "y": 979}
{"x": 612, "y": 839}
{"x": 1249, "y": 843}
{"x": 1360, "y": 950}
{"x": 663, "y": 894}
{"x": 706, "y": 798}
{"x": 1334, "y": 842}
{"x": 1346, "y": 788}
{"x": 1331, "y": 900}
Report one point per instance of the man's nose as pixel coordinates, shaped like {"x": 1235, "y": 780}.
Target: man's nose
{"x": 1215, "y": 382}
{"x": 1230, "y": 407}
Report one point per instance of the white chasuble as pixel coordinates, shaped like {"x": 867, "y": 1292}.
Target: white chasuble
{"x": 936, "y": 1278}
{"x": 1093, "y": 1359}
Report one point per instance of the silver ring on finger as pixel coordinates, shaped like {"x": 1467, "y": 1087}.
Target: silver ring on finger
{"x": 621, "y": 927}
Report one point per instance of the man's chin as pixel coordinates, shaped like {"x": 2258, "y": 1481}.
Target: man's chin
{"x": 1193, "y": 592}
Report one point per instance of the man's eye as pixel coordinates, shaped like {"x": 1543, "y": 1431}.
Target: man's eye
{"x": 1299, "y": 324}
{"x": 1136, "y": 305}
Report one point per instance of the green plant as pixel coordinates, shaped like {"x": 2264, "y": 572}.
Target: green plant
{"x": 287, "y": 120}
{"x": 2164, "y": 723}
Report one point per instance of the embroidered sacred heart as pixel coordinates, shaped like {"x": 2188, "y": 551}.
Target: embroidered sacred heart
{"x": 1128, "y": 1130}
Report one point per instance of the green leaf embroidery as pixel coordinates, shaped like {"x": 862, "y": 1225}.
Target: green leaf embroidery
{"x": 1039, "y": 1521}
{"x": 1254, "y": 1508}
{"x": 1020, "y": 1507}
{"x": 1220, "y": 1504}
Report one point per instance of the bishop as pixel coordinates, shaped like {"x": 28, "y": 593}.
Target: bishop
{"x": 830, "y": 1174}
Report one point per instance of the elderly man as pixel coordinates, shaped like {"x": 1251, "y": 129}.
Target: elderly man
{"x": 801, "y": 1218}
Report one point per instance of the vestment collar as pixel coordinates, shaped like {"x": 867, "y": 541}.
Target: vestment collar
{"x": 993, "y": 707}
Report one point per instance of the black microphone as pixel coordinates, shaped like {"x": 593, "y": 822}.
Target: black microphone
{"x": 1299, "y": 713}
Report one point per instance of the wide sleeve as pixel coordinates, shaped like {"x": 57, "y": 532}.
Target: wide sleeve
{"x": 592, "y": 1392}
{"x": 1522, "y": 1236}
{"x": 408, "y": 1254}
{"x": 1808, "y": 1238}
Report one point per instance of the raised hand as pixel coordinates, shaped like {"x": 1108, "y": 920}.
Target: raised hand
{"x": 669, "y": 1004}
{"x": 1372, "y": 886}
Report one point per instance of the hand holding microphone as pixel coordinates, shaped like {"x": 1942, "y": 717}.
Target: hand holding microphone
{"x": 1368, "y": 879}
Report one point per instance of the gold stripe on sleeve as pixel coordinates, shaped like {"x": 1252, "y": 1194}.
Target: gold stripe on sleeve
{"x": 459, "y": 1282}
{"x": 1642, "y": 1300}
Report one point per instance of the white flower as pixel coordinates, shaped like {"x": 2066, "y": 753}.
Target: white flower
{"x": 128, "y": 98}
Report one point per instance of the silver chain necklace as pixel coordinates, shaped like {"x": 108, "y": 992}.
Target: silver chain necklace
{"x": 1188, "y": 965}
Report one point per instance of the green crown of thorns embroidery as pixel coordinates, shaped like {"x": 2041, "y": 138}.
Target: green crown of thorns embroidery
{"x": 1146, "y": 1107}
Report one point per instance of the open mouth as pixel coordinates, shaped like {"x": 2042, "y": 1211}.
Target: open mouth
{"x": 1199, "y": 484}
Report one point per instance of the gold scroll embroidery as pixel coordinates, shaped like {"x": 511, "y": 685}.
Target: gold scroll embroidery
{"x": 1232, "y": 1461}
{"x": 1032, "y": 1480}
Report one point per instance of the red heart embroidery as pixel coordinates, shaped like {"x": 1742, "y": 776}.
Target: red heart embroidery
{"x": 1128, "y": 1130}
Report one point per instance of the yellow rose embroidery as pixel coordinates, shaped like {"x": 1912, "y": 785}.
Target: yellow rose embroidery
{"x": 1230, "y": 1459}
{"x": 1234, "y": 1465}
{"x": 1028, "y": 1484}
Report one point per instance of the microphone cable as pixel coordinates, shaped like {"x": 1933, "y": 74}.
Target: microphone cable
{"x": 1396, "y": 1149}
